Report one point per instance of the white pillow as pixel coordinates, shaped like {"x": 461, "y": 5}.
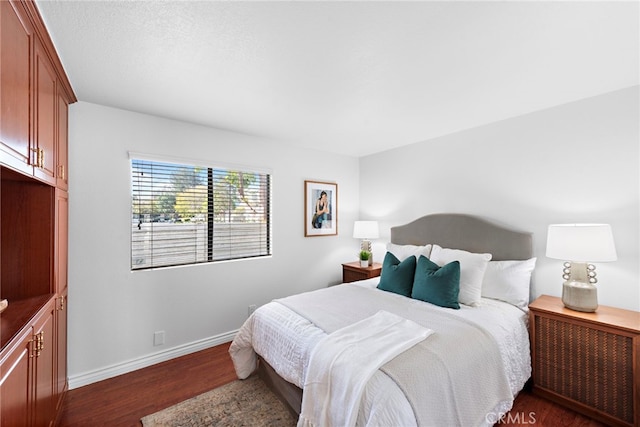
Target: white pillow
{"x": 472, "y": 268}
{"x": 403, "y": 252}
{"x": 509, "y": 281}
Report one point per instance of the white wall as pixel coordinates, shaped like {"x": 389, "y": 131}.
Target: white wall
{"x": 574, "y": 163}
{"x": 113, "y": 312}
{"x": 577, "y": 162}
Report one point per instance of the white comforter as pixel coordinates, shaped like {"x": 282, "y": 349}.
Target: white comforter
{"x": 285, "y": 340}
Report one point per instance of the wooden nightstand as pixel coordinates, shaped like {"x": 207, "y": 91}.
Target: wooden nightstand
{"x": 352, "y": 271}
{"x": 589, "y": 362}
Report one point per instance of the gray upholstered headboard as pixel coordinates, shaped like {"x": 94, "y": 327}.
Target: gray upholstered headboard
{"x": 466, "y": 232}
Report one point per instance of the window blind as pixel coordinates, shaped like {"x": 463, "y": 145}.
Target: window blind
{"x": 185, "y": 214}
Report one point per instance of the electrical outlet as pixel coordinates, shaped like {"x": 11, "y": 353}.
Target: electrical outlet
{"x": 158, "y": 338}
{"x": 252, "y": 308}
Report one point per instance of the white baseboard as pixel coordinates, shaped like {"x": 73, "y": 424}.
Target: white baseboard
{"x": 107, "y": 372}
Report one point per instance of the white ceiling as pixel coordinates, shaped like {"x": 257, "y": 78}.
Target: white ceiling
{"x": 346, "y": 77}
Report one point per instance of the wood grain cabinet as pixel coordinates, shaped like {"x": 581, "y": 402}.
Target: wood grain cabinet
{"x": 61, "y": 240}
{"x": 43, "y": 145}
{"x": 16, "y": 39}
{"x": 15, "y": 390}
{"x": 352, "y": 271}
{"x": 34, "y": 98}
{"x": 589, "y": 362}
{"x": 60, "y": 256}
{"x": 26, "y": 371}
{"x": 43, "y": 358}
{"x": 61, "y": 382}
{"x": 62, "y": 128}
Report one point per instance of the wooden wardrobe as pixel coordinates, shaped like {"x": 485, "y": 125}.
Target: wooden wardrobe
{"x": 34, "y": 98}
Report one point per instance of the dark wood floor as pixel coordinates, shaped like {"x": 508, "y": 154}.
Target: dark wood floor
{"x": 123, "y": 400}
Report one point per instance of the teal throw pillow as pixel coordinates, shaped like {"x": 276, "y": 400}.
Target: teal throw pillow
{"x": 396, "y": 276}
{"x": 435, "y": 284}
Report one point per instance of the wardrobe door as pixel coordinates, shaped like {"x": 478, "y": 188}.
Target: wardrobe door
{"x": 15, "y": 87}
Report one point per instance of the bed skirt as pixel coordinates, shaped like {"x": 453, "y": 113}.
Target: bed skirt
{"x": 289, "y": 393}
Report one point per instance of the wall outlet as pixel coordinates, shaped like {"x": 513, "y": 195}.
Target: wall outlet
{"x": 252, "y": 308}
{"x": 158, "y": 338}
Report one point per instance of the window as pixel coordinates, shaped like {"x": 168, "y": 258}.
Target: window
{"x": 183, "y": 214}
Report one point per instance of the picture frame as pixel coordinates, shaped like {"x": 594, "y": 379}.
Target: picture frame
{"x": 320, "y": 208}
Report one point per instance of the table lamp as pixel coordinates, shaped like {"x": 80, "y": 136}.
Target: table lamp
{"x": 366, "y": 230}
{"x": 578, "y": 245}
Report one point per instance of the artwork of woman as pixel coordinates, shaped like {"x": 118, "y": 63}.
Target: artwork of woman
{"x": 322, "y": 211}
{"x": 320, "y": 208}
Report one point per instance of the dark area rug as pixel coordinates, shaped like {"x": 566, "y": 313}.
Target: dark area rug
{"x": 240, "y": 403}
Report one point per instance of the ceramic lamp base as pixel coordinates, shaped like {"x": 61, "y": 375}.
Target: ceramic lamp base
{"x": 366, "y": 246}
{"x": 580, "y": 296}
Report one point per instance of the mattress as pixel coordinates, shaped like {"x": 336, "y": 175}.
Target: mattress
{"x": 285, "y": 340}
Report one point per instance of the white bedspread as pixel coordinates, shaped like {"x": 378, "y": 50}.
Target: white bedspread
{"x": 343, "y": 362}
{"x": 285, "y": 340}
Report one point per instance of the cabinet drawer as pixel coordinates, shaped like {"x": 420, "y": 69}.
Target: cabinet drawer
{"x": 352, "y": 276}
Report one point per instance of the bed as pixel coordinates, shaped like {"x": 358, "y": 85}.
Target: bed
{"x": 469, "y": 368}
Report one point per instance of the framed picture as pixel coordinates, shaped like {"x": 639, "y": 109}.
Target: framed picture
{"x": 320, "y": 209}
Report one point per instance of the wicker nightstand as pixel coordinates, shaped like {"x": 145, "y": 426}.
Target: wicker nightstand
{"x": 589, "y": 362}
{"x": 352, "y": 271}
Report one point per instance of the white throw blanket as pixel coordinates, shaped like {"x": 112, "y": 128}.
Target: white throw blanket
{"x": 342, "y": 363}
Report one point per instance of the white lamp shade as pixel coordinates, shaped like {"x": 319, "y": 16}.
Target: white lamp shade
{"x": 365, "y": 230}
{"x": 581, "y": 242}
